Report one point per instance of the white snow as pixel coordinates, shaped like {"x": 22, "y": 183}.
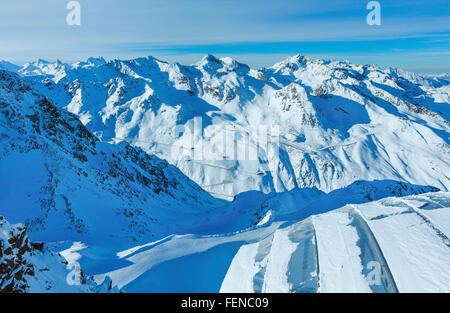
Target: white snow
{"x": 339, "y": 255}
{"x": 339, "y": 122}
{"x": 416, "y": 253}
{"x": 243, "y": 268}
{"x": 362, "y": 152}
{"x": 275, "y": 279}
{"x": 71, "y": 254}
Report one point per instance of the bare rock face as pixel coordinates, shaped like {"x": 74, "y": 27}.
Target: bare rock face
{"x": 27, "y": 266}
{"x": 15, "y": 248}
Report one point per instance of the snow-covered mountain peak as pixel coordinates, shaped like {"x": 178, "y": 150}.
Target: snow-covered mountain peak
{"x": 295, "y": 63}
{"x": 337, "y": 114}
{"x": 90, "y": 62}
{"x": 8, "y": 66}
{"x": 40, "y": 61}
{"x": 96, "y": 61}
{"x": 55, "y": 70}
{"x": 218, "y": 66}
{"x": 232, "y": 65}
{"x": 209, "y": 58}
{"x": 210, "y": 64}
{"x": 106, "y": 178}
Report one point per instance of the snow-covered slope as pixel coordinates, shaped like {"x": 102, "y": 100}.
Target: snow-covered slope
{"x": 389, "y": 245}
{"x": 339, "y": 122}
{"x": 7, "y": 66}
{"x": 58, "y": 179}
{"x": 309, "y": 218}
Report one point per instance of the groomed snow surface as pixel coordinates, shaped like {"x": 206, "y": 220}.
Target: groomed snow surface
{"x": 390, "y": 245}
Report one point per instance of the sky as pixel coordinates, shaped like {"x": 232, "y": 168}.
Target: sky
{"x": 413, "y": 35}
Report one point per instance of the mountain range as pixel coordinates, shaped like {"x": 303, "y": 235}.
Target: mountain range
{"x": 99, "y": 161}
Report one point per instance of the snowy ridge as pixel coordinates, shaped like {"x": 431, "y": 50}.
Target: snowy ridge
{"x": 58, "y": 179}
{"x": 339, "y": 122}
{"x": 332, "y": 252}
{"x": 363, "y": 153}
{"x": 7, "y": 66}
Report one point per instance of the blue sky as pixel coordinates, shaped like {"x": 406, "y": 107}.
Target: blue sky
{"x": 414, "y": 34}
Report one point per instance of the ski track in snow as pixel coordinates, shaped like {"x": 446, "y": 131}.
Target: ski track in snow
{"x": 339, "y": 255}
{"x": 329, "y": 252}
{"x": 275, "y": 279}
{"x": 415, "y": 253}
